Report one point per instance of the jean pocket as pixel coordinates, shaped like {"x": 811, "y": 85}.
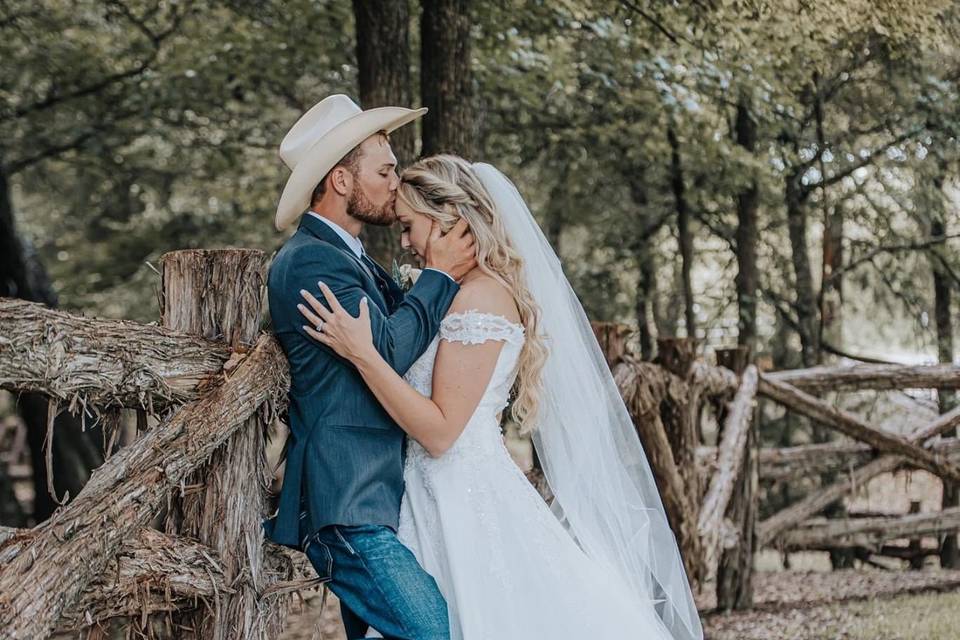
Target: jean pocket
{"x": 343, "y": 541}
{"x": 320, "y": 557}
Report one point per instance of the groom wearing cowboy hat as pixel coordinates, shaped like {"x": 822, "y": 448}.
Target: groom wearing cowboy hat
{"x": 340, "y": 500}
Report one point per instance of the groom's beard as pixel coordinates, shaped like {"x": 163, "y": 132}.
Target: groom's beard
{"x": 360, "y": 207}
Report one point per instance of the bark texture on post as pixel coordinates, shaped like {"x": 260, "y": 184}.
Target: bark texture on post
{"x": 680, "y": 419}
{"x": 733, "y": 451}
{"x": 64, "y": 554}
{"x": 154, "y": 573}
{"x": 612, "y": 338}
{"x": 644, "y": 388}
{"x": 218, "y": 295}
{"x": 446, "y": 83}
{"x": 735, "y": 567}
{"x": 101, "y": 362}
{"x": 735, "y": 570}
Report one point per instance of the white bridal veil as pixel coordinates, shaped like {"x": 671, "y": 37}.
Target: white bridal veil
{"x": 591, "y": 456}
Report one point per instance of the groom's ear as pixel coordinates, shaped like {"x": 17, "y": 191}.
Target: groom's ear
{"x": 341, "y": 180}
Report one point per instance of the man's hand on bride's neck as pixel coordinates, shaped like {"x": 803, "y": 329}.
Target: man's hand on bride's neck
{"x": 454, "y": 253}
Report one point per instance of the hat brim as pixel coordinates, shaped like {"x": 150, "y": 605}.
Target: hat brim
{"x": 329, "y": 150}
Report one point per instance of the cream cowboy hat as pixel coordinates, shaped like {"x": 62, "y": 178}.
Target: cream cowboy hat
{"x": 320, "y": 139}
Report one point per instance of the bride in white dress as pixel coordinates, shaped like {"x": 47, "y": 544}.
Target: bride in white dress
{"x": 600, "y": 561}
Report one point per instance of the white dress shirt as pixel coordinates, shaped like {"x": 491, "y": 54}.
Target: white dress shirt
{"x": 354, "y": 243}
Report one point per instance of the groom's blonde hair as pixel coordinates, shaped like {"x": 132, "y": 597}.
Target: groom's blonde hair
{"x": 446, "y": 189}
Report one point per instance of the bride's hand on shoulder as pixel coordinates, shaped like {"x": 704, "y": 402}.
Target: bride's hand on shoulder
{"x": 350, "y": 337}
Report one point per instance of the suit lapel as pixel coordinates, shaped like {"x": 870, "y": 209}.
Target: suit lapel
{"x": 316, "y": 228}
{"x": 395, "y": 292}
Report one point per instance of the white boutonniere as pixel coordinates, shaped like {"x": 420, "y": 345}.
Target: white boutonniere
{"x": 405, "y": 275}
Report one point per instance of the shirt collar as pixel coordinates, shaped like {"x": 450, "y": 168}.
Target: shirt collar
{"x": 354, "y": 243}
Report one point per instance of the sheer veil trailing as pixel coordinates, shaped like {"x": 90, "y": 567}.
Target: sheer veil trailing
{"x": 591, "y": 456}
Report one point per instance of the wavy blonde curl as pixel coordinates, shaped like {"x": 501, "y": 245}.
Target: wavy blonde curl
{"x": 446, "y": 189}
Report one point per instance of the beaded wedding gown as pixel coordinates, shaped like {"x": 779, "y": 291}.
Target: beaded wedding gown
{"x": 507, "y": 567}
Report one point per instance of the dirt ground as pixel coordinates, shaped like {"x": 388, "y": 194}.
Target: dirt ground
{"x": 858, "y": 604}
{"x": 861, "y": 604}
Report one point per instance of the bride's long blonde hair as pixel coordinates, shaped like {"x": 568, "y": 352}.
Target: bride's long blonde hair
{"x": 446, "y": 189}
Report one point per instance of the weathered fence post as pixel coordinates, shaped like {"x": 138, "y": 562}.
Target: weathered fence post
{"x": 735, "y": 570}
{"x": 612, "y": 338}
{"x": 682, "y": 420}
{"x": 219, "y": 295}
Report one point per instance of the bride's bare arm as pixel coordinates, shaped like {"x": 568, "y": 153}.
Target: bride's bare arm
{"x": 460, "y": 376}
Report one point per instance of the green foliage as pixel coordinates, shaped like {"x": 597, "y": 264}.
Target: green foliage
{"x": 133, "y": 128}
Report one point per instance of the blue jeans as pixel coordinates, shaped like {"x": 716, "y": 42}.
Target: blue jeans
{"x": 379, "y": 583}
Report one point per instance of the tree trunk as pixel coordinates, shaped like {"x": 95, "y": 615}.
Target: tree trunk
{"x": 559, "y": 202}
{"x": 747, "y": 281}
{"x": 830, "y": 328}
{"x": 683, "y": 230}
{"x": 218, "y": 295}
{"x": 645, "y": 258}
{"x": 646, "y": 292}
{"x": 383, "y": 69}
{"x": 75, "y": 450}
{"x": 806, "y": 299}
{"x": 446, "y": 83}
{"x": 831, "y": 292}
{"x": 949, "y": 552}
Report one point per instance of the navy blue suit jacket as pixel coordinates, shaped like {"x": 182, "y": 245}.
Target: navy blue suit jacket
{"x": 344, "y": 454}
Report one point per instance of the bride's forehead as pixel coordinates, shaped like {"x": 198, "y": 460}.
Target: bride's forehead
{"x": 407, "y": 212}
{"x": 402, "y": 207}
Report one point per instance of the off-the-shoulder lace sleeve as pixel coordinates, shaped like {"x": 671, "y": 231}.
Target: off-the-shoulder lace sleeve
{"x": 476, "y": 327}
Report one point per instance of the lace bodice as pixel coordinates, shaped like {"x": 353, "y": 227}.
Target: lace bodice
{"x": 473, "y": 327}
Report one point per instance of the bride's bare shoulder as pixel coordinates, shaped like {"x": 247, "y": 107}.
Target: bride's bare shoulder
{"x": 486, "y": 294}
